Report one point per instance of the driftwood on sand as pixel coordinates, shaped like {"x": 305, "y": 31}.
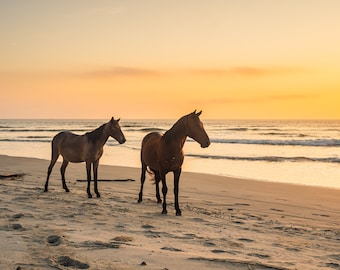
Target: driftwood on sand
{"x": 11, "y": 176}
{"x": 108, "y": 180}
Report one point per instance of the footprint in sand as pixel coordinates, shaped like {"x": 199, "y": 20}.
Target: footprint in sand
{"x": 242, "y": 204}
{"x": 333, "y": 265}
{"x": 17, "y": 226}
{"x": 234, "y": 264}
{"x": 123, "y": 239}
{"x": 149, "y": 232}
{"x": 54, "y": 240}
{"x": 172, "y": 249}
{"x": 100, "y": 245}
{"x": 209, "y": 244}
{"x": 253, "y": 217}
{"x": 198, "y": 219}
{"x": 147, "y": 226}
{"x": 245, "y": 240}
{"x": 261, "y": 256}
{"x": 238, "y": 222}
{"x": 69, "y": 262}
{"x": 276, "y": 210}
{"x": 321, "y": 215}
{"x": 333, "y": 258}
{"x": 190, "y": 235}
{"x": 293, "y": 249}
{"x": 17, "y": 216}
{"x": 120, "y": 226}
{"x": 218, "y": 251}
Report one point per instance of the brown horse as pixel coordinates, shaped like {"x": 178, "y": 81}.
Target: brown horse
{"x": 164, "y": 153}
{"x": 79, "y": 148}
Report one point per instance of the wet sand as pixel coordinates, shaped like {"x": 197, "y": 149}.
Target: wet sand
{"x": 226, "y": 223}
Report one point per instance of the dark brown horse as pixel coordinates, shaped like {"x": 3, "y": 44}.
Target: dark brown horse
{"x": 80, "y": 148}
{"x": 164, "y": 153}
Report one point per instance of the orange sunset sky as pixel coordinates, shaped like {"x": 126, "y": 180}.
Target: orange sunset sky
{"x": 245, "y": 59}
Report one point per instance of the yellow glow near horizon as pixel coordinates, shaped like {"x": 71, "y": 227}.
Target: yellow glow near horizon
{"x": 136, "y": 59}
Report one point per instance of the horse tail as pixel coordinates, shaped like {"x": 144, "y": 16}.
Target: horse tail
{"x": 152, "y": 175}
{"x": 55, "y": 146}
{"x": 54, "y": 156}
{"x": 56, "y": 141}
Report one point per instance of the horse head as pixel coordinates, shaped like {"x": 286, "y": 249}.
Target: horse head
{"x": 115, "y": 131}
{"x": 195, "y": 129}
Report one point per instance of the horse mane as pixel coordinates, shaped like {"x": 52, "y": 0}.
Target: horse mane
{"x": 176, "y": 128}
{"x": 95, "y": 134}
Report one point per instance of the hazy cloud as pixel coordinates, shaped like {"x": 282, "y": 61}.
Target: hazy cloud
{"x": 121, "y": 72}
{"x": 126, "y": 71}
{"x": 248, "y": 71}
{"x": 223, "y": 72}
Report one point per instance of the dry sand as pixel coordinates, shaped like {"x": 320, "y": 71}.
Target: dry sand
{"x": 227, "y": 223}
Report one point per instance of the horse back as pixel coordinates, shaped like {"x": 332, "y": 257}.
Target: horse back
{"x": 65, "y": 138}
{"x": 71, "y": 146}
{"x": 150, "y": 149}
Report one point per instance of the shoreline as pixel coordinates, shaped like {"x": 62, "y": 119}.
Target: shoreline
{"x": 227, "y": 176}
{"x": 227, "y": 223}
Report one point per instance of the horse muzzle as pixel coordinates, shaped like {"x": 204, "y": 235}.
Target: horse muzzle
{"x": 205, "y": 144}
{"x": 121, "y": 141}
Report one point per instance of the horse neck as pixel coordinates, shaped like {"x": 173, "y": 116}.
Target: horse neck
{"x": 176, "y": 136}
{"x": 98, "y": 136}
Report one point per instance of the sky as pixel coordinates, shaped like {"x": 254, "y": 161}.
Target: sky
{"x": 149, "y": 59}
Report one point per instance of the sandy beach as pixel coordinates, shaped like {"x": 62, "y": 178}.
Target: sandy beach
{"x": 226, "y": 223}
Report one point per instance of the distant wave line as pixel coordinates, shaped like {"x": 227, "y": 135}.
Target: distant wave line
{"x": 145, "y": 129}
{"x": 301, "y": 135}
{"x": 307, "y": 143}
{"x": 316, "y": 142}
{"x": 26, "y": 140}
{"x": 43, "y": 130}
{"x": 269, "y": 158}
{"x": 36, "y": 137}
{"x": 245, "y": 129}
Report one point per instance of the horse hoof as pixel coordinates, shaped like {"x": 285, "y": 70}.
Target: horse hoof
{"x": 159, "y": 201}
{"x": 45, "y": 190}
{"x": 67, "y": 190}
{"x": 178, "y": 213}
{"x": 164, "y": 212}
{"x": 139, "y": 201}
{"x": 89, "y": 196}
{"x": 98, "y": 195}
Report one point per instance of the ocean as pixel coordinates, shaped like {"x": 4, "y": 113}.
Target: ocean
{"x": 288, "y": 151}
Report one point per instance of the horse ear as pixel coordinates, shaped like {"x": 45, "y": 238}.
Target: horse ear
{"x": 194, "y": 112}
{"x": 112, "y": 119}
{"x": 199, "y": 113}
{"x": 118, "y": 120}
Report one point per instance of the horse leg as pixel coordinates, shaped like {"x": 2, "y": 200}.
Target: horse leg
{"x": 157, "y": 180}
{"x": 165, "y": 191}
{"x": 49, "y": 171}
{"x": 88, "y": 172}
{"x": 142, "y": 180}
{"x": 177, "y": 174}
{"x": 62, "y": 171}
{"x": 95, "y": 177}
{"x": 54, "y": 158}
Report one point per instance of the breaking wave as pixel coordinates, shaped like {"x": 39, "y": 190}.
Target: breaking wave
{"x": 269, "y": 158}
{"x": 316, "y": 142}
